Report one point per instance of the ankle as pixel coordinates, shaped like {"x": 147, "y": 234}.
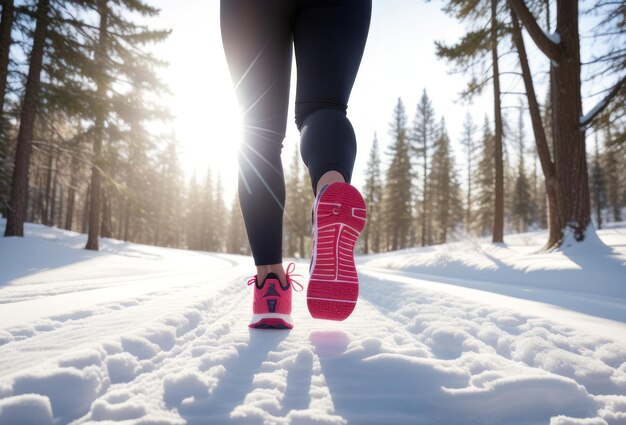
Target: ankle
{"x": 329, "y": 177}
{"x": 263, "y": 270}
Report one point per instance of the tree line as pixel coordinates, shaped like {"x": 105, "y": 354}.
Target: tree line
{"x": 420, "y": 194}
{"x": 79, "y": 89}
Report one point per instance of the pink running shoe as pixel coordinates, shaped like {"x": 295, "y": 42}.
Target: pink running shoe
{"x": 272, "y": 301}
{"x": 338, "y": 218}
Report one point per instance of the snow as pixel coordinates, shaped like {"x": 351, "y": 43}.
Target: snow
{"x": 554, "y": 37}
{"x": 468, "y": 332}
{"x": 585, "y": 119}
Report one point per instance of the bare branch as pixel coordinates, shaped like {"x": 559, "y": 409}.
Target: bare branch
{"x": 601, "y": 106}
{"x": 543, "y": 42}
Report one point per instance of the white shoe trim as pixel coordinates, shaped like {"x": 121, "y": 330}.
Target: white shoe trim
{"x": 256, "y": 318}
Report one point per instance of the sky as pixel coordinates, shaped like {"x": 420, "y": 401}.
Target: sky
{"x": 399, "y": 61}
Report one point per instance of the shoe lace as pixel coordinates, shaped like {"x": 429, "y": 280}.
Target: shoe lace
{"x": 289, "y": 276}
{"x": 290, "y": 268}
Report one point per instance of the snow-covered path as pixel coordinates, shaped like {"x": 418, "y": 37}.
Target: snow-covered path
{"x": 144, "y": 335}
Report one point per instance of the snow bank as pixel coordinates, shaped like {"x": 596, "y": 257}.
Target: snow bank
{"x": 589, "y": 277}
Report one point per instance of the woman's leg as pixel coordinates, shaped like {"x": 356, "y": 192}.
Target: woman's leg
{"x": 329, "y": 38}
{"x": 257, "y": 40}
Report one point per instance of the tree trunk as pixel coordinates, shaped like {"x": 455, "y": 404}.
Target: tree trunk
{"x": 127, "y": 215}
{"x": 468, "y": 217}
{"x": 498, "y": 217}
{"x": 61, "y": 207}
{"x": 612, "y": 165}
{"x": 45, "y": 213}
{"x": 569, "y": 147}
{"x": 105, "y": 225}
{"x": 69, "y": 217}
{"x": 94, "y": 210}
{"x": 6, "y": 24}
{"x": 53, "y": 197}
{"x": 572, "y": 186}
{"x": 425, "y": 238}
{"x": 18, "y": 201}
{"x": 366, "y": 237}
{"x": 597, "y": 196}
{"x": 85, "y": 223}
{"x": 543, "y": 150}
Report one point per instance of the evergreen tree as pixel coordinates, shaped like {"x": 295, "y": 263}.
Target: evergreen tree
{"x": 612, "y": 166}
{"x": 205, "y": 213}
{"x": 573, "y": 209}
{"x": 194, "y": 216}
{"x": 219, "y": 217}
{"x": 445, "y": 189}
{"x": 470, "y": 146}
{"x": 397, "y": 194}
{"x": 237, "y": 241}
{"x": 538, "y": 194}
{"x": 118, "y": 55}
{"x": 522, "y": 201}
{"x": 18, "y": 202}
{"x": 169, "y": 215}
{"x": 598, "y": 188}
{"x": 306, "y": 195}
{"x": 297, "y": 209}
{"x": 373, "y": 194}
{"x": 483, "y": 216}
{"x": 422, "y": 140}
{"x": 477, "y": 52}
{"x": 6, "y": 26}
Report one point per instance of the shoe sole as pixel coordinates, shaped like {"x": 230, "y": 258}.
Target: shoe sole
{"x": 271, "y": 321}
{"x": 339, "y": 217}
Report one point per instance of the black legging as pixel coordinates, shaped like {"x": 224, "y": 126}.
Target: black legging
{"x": 329, "y": 37}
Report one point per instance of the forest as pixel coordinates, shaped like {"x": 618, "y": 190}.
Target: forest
{"x": 79, "y": 88}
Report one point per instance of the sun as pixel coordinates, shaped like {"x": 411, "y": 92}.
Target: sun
{"x": 207, "y": 119}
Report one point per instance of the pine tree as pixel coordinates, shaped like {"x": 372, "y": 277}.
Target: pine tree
{"x": 237, "y": 241}
{"x": 297, "y": 210}
{"x": 205, "y": 212}
{"x": 598, "y": 188}
{"x": 470, "y": 147}
{"x": 477, "y": 52}
{"x": 169, "y": 216}
{"x": 290, "y": 240}
{"x": 6, "y": 26}
{"x": 573, "y": 209}
{"x": 422, "y": 140}
{"x": 538, "y": 194}
{"x": 445, "y": 189}
{"x": 611, "y": 167}
{"x": 483, "y": 216}
{"x": 397, "y": 194}
{"x": 373, "y": 194}
{"x": 522, "y": 201}
{"x": 307, "y": 200}
{"x": 18, "y": 202}
{"x": 193, "y": 218}
{"x": 544, "y": 140}
{"x": 219, "y": 216}
{"x": 118, "y": 53}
